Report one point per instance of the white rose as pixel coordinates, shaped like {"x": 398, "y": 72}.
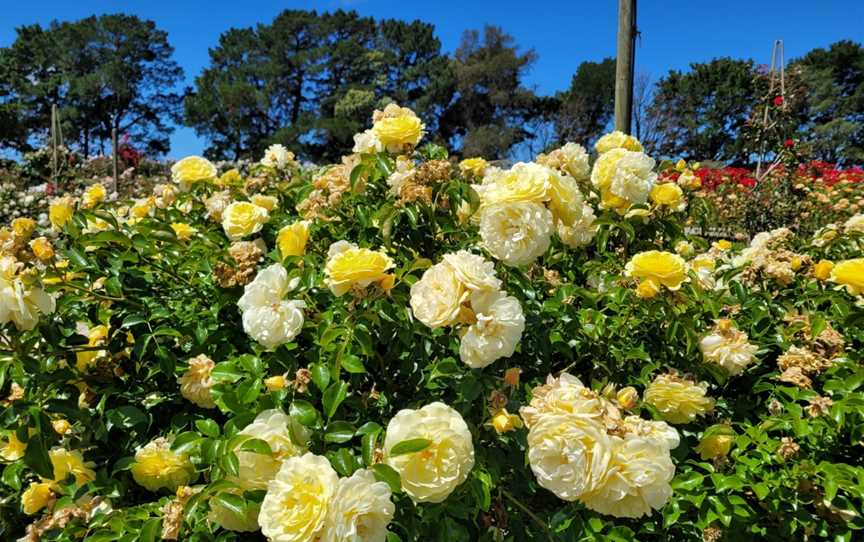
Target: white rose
{"x": 195, "y": 383}
{"x": 854, "y": 224}
{"x": 516, "y": 233}
{"x": 524, "y": 182}
{"x": 432, "y": 474}
{"x": 267, "y": 316}
{"x": 634, "y": 177}
{"x": 359, "y": 511}
{"x": 569, "y": 454}
{"x": 637, "y": 479}
{"x": 437, "y": 297}
{"x": 496, "y": 333}
{"x": 22, "y": 304}
{"x": 297, "y": 499}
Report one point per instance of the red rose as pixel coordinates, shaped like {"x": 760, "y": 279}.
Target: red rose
{"x": 778, "y": 101}
{"x": 789, "y": 143}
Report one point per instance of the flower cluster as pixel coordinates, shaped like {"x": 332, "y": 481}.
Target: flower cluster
{"x": 463, "y": 289}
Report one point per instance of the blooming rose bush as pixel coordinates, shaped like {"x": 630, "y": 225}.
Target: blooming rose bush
{"x": 400, "y": 347}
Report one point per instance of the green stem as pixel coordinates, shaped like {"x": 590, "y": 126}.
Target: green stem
{"x": 528, "y": 512}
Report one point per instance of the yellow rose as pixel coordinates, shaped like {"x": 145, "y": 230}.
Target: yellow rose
{"x": 275, "y": 383}
{"x": 36, "y": 497}
{"x": 71, "y": 462}
{"x": 23, "y": 227}
{"x": 193, "y": 169}
{"x": 96, "y": 336}
{"x": 504, "y": 422}
{"x": 61, "y": 426}
{"x": 42, "y": 249}
{"x": 396, "y": 133}
{"x": 647, "y": 289}
{"x": 292, "y": 239}
{"x": 430, "y": 474}
{"x": 617, "y": 140}
{"x": 142, "y": 207}
{"x": 684, "y": 249}
{"x": 627, "y": 397}
{"x": 524, "y": 182}
{"x": 60, "y": 211}
{"x": 297, "y": 500}
{"x": 230, "y": 178}
{"x": 849, "y": 273}
{"x": 716, "y": 442}
{"x": 13, "y": 449}
{"x": 667, "y": 195}
{"x": 722, "y": 244}
{"x": 664, "y": 268}
{"x": 349, "y": 266}
{"x": 93, "y": 196}
{"x": 822, "y": 270}
{"x": 677, "y": 399}
{"x": 473, "y": 166}
{"x": 268, "y": 202}
{"x": 242, "y": 219}
{"x": 157, "y": 466}
{"x": 183, "y": 231}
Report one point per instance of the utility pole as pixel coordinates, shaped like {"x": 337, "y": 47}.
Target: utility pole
{"x": 624, "y": 64}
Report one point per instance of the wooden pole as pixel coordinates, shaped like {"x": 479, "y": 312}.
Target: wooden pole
{"x": 624, "y": 64}
{"x": 114, "y": 152}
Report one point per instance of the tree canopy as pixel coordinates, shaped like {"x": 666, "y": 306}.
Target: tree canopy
{"x": 103, "y": 73}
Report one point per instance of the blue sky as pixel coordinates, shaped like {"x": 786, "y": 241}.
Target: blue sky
{"x": 563, "y": 33}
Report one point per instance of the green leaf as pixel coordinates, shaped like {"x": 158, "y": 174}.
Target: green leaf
{"x": 333, "y": 397}
{"x": 208, "y": 427}
{"x": 320, "y": 376}
{"x": 409, "y": 446}
{"x": 386, "y": 473}
{"x": 339, "y": 432}
{"x": 352, "y": 364}
{"x": 303, "y": 412}
{"x": 257, "y": 446}
{"x": 149, "y": 530}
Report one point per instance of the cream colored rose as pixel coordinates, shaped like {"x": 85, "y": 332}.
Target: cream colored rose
{"x": 636, "y": 481}
{"x": 297, "y": 499}
{"x": 855, "y": 224}
{"x": 359, "y": 511}
{"x": 729, "y": 348}
{"x": 565, "y": 199}
{"x": 516, "y": 233}
{"x": 564, "y": 395}
{"x": 437, "y": 297}
{"x": 678, "y": 399}
{"x": 431, "y": 474}
{"x": 242, "y": 219}
{"x": 475, "y": 272}
{"x": 268, "y": 317}
{"x": 367, "y": 143}
{"x": 569, "y": 454}
{"x": 21, "y": 302}
{"x": 277, "y": 156}
{"x": 634, "y": 177}
{"x": 216, "y": 204}
{"x": 273, "y": 427}
{"x": 195, "y": 383}
{"x": 660, "y": 432}
{"x": 495, "y": 334}
{"x": 580, "y": 232}
{"x": 268, "y": 202}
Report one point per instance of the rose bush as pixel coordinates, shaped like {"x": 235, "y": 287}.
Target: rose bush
{"x": 398, "y": 347}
